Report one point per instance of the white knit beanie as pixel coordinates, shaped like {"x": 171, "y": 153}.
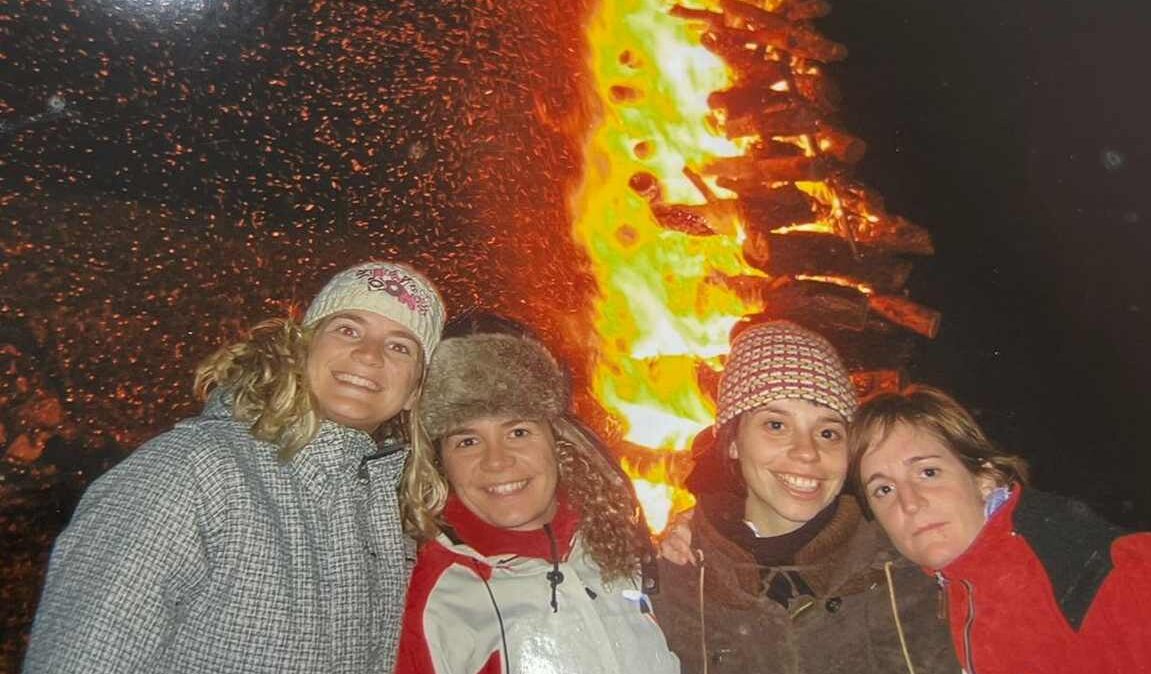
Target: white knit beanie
{"x": 389, "y": 289}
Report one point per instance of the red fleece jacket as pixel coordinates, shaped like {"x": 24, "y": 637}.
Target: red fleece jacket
{"x": 1049, "y": 587}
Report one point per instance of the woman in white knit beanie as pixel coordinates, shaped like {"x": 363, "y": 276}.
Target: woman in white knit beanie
{"x": 262, "y": 536}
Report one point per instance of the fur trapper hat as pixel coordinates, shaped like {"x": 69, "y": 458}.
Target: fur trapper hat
{"x": 490, "y": 375}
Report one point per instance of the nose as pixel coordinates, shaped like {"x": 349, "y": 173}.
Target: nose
{"x": 910, "y": 500}
{"x": 804, "y": 450}
{"x": 368, "y": 352}
{"x": 496, "y": 457}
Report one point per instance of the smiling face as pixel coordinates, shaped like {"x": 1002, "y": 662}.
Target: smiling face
{"x": 925, "y": 498}
{"x": 504, "y": 470}
{"x": 363, "y": 369}
{"x": 793, "y": 458}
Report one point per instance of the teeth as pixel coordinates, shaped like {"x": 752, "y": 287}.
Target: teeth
{"x": 507, "y": 488}
{"x": 798, "y": 483}
{"x": 356, "y": 380}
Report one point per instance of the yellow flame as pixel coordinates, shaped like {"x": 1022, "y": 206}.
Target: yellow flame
{"x": 664, "y": 309}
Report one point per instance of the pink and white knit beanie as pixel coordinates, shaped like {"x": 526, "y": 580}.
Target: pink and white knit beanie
{"x": 781, "y": 360}
{"x": 389, "y": 289}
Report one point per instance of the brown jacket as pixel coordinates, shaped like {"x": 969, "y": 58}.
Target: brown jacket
{"x": 847, "y": 626}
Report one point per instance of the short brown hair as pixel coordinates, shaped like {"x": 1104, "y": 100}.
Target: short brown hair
{"x": 932, "y": 411}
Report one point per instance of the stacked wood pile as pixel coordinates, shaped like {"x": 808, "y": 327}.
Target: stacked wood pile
{"x": 837, "y": 261}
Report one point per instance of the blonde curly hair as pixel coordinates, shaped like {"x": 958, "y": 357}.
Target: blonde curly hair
{"x": 611, "y": 524}
{"x": 266, "y": 378}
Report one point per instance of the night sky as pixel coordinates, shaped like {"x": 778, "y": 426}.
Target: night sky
{"x": 1017, "y": 132}
{"x": 173, "y": 171}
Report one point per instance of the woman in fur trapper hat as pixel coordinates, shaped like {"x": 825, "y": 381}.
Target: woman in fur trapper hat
{"x": 530, "y": 558}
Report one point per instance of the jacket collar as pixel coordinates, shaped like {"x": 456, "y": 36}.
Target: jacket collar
{"x": 491, "y": 541}
{"x": 335, "y": 454}
{"x": 830, "y": 563}
{"x": 1069, "y": 540}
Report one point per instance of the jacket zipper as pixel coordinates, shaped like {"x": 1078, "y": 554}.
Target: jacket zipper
{"x": 968, "y": 624}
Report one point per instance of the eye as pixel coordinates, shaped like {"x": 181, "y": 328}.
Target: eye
{"x": 520, "y": 432}
{"x": 833, "y": 434}
{"x": 402, "y": 347}
{"x": 879, "y": 491}
{"x": 345, "y": 329}
{"x": 463, "y": 442}
{"x": 930, "y": 472}
{"x": 773, "y": 425}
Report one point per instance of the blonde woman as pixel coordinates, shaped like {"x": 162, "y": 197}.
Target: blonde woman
{"x": 531, "y": 548}
{"x": 263, "y": 535}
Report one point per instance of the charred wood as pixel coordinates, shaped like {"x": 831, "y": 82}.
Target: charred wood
{"x": 872, "y": 382}
{"x": 815, "y": 303}
{"x": 904, "y": 312}
{"x": 810, "y": 253}
{"x": 839, "y": 144}
{"x": 769, "y": 170}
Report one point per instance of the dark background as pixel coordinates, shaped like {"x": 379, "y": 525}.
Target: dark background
{"x": 1017, "y": 132}
{"x": 171, "y": 171}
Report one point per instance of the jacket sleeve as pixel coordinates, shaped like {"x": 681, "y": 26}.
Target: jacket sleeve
{"x": 1117, "y": 630}
{"x": 120, "y": 569}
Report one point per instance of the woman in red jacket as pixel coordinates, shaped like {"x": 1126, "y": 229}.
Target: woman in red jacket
{"x": 1035, "y": 583}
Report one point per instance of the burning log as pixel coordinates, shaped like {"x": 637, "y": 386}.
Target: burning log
{"x": 771, "y": 170}
{"x": 768, "y": 209}
{"x": 780, "y": 32}
{"x": 748, "y": 100}
{"x": 871, "y": 382}
{"x": 893, "y": 233}
{"x": 798, "y": 10}
{"x": 904, "y": 312}
{"x": 815, "y": 303}
{"x": 819, "y": 91}
{"x": 810, "y": 253}
{"x": 836, "y": 142}
{"x": 793, "y": 120}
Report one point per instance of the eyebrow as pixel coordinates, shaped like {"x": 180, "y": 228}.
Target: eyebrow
{"x": 907, "y": 462}
{"x": 830, "y": 416}
{"x": 462, "y": 430}
{"x": 359, "y": 320}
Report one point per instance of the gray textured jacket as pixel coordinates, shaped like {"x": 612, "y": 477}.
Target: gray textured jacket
{"x": 844, "y": 627}
{"x": 201, "y": 552}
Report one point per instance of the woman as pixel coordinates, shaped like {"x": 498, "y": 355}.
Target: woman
{"x": 530, "y": 560}
{"x": 789, "y": 575}
{"x": 1035, "y": 583}
{"x": 263, "y": 535}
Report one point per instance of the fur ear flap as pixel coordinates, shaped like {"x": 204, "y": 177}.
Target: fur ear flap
{"x": 489, "y": 375}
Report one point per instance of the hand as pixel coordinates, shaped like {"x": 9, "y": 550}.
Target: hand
{"x": 675, "y": 544}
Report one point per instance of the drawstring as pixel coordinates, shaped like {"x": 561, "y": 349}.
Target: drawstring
{"x": 555, "y": 576}
{"x": 895, "y": 612}
{"x": 702, "y": 625}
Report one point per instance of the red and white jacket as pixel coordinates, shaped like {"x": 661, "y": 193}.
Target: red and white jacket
{"x": 487, "y": 600}
{"x": 1047, "y": 587}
